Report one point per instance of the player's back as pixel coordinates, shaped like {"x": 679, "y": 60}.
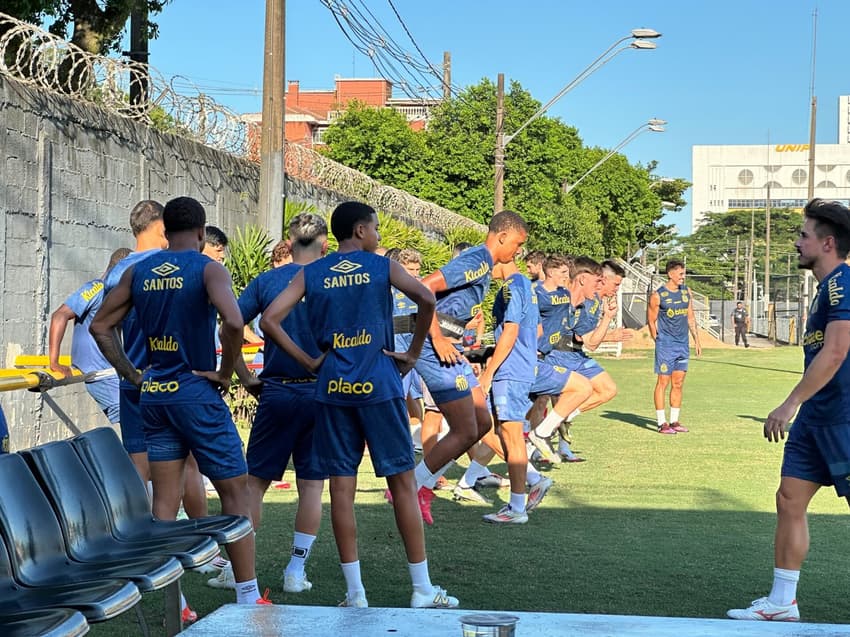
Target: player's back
{"x": 349, "y": 305}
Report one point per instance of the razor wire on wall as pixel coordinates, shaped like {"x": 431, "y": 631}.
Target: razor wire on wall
{"x": 38, "y": 58}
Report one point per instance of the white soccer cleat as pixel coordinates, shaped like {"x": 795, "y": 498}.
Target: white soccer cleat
{"x": 506, "y": 515}
{"x": 437, "y": 598}
{"x": 358, "y": 601}
{"x": 763, "y": 610}
{"x": 225, "y": 579}
{"x": 296, "y": 583}
{"x": 213, "y": 566}
{"x": 544, "y": 447}
{"x": 537, "y": 493}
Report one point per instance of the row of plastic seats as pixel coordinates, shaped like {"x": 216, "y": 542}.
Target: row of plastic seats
{"x": 78, "y": 537}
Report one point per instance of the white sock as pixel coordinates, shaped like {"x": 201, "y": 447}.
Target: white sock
{"x": 784, "y": 589}
{"x": 351, "y": 572}
{"x": 549, "y": 424}
{"x": 532, "y": 475}
{"x": 301, "y": 545}
{"x": 660, "y": 416}
{"x": 474, "y": 471}
{"x": 674, "y": 414}
{"x": 420, "y": 577}
{"x": 575, "y": 413}
{"x": 518, "y": 502}
{"x": 183, "y": 602}
{"x": 564, "y": 448}
{"x": 424, "y": 477}
{"x": 247, "y": 592}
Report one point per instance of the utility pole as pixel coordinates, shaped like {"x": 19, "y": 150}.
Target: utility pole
{"x": 447, "y": 76}
{"x": 807, "y": 277}
{"x": 750, "y": 268}
{"x": 735, "y": 278}
{"x": 767, "y": 248}
{"x": 499, "y": 182}
{"x": 272, "y": 180}
{"x": 138, "y": 52}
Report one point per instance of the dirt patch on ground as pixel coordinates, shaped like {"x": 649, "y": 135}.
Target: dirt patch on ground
{"x": 642, "y": 340}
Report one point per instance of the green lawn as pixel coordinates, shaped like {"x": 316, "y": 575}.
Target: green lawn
{"x": 650, "y": 525}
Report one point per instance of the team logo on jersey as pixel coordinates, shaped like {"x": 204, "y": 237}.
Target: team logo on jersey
{"x": 663, "y": 368}
{"x": 345, "y": 267}
{"x": 166, "y": 269}
{"x": 684, "y": 297}
{"x": 461, "y": 384}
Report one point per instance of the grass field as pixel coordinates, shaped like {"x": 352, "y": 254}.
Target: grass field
{"x": 650, "y": 525}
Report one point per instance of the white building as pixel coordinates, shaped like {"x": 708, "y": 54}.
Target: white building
{"x": 737, "y": 177}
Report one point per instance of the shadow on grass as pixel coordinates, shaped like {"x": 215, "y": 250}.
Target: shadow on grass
{"x": 796, "y": 372}
{"x": 632, "y": 419}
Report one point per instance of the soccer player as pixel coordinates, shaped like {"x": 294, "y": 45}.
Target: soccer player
{"x": 403, "y": 321}
{"x": 215, "y": 244}
{"x": 359, "y": 397}
{"x": 671, "y": 316}
{"x": 460, "y": 286}
{"x": 534, "y": 265}
{"x": 149, "y": 231}
{"x": 508, "y": 378}
{"x": 818, "y": 448}
{"x": 80, "y": 307}
{"x": 176, "y": 294}
{"x": 286, "y": 414}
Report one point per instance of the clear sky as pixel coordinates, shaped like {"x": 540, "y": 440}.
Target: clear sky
{"x": 724, "y": 72}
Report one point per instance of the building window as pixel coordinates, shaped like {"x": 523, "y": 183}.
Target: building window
{"x": 745, "y": 177}
{"x": 826, "y": 184}
{"x": 847, "y": 176}
{"x": 319, "y": 134}
{"x": 773, "y": 184}
{"x": 799, "y": 177}
{"x": 772, "y": 169}
{"x": 826, "y": 167}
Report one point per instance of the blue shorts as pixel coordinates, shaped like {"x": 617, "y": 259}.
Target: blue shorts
{"x": 819, "y": 454}
{"x": 510, "y": 400}
{"x": 283, "y": 428}
{"x": 411, "y": 382}
{"x": 549, "y": 379}
{"x": 105, "y": 392}
{"x": 343, "y": 431}
{"x": 4, "y": 433}
{"x": 132, "y": 423}
{"x": 203, "y": 427}
{"x": 668, "y": 361}
{"x": 445, "y": 382}
{"x": 576, "y": 362}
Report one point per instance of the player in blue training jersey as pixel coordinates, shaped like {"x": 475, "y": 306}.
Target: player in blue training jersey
{"x": 149, "y": 232}
{"x": 670, "y": 315}
{"x": 460, "y": 286}
{"x": 176, "y": 294}
{"x": 358, "y": 390}
{"x": 404, "y": 311}
{"x": 286, "y": 413}
{"x": 818, "y": 448}
{"x": 80, "y": 307}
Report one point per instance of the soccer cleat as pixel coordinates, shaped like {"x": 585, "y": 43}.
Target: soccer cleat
{"x": 564, "y": 430}
{"x": 389, "y": 496}
{"x": 358, "y": 601}
{"x": 763, "y": 610}
{"x": 678, "y": 427}
{"x": 537, "y": 493}
{"x": 544, "y": 447}
{"x": 425, "y": 496}
{"x": 437, "y": 598}
{"x": 470, "y": 495}
{"x": 188, "y": 616}
{"x": 666, "y": 429}
{"x": 264, "y": 600}
{"x": 506, "y": 515}
{"x": 492, "y": 480}
{"x": 442, "y": 484}
{"x": 296, "y": 583}
{"x": 225, "y": 579}
{"x": 214, "y": 566}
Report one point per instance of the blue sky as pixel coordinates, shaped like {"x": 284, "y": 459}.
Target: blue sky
{"x": 724, "y": 72}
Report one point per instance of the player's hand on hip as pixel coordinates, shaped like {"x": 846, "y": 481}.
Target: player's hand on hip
{"x": 445, "y": 350}
{"x": 777, "y": 423}
{"x": 254, "y": 387}
{"x": 315, "y": 363}
{"x": 221, "y": 382}
{"x": 404, "y": 361}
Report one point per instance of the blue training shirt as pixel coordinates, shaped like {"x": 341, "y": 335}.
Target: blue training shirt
{"x": 254, "y": 300}
{"x": 177, "y": 322}
{"x": 554, "y": 307}
{"x": 516, "y": 303}
{"x": 84, "y": 303}
{"x": 349, "y": 307}
{"x": 403, "y": 306}
{"x": 134, "y": 341}
{"x": 831, "y": 404}
{"x": 672, "y": 323}
{"x": 467, "y": 281}
{"x": 589, "y": 314}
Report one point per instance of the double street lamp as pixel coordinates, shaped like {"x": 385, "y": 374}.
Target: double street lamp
{"x": 637, "y": 39}
{"x": 654, "y": 125}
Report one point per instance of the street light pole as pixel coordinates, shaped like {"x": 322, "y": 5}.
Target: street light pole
{"x": 499, "y": 157}
{"x": 654, "y": 125}
{"x": 640, "y": 40}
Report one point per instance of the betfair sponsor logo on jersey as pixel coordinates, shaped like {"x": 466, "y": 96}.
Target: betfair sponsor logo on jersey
{"x": 341, "y": 341}
{"x": 92, "y": 292}
{"x": 166, "y": 281}
{"x": 348, "y": 275}
{"x": 160, "y": 387}
{"x": 680, "y": 312}
{"x": 342, "y": 386}
{"x": 473, "y": 275}
{"x": 813, "y": 340}
{"x": 835, "y": 291}
{"x": 162, "y": 344}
